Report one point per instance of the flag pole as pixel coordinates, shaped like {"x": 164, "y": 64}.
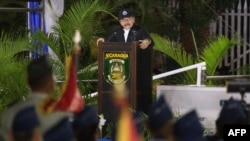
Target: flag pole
{"x": 77, "y": 40}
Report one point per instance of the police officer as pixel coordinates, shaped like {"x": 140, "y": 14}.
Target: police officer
{"x": 41, "y": 81}
{"x": 189, "y": 128}
{"x": 232, "y": 113}
{"x": 160, "y": 121}
{"x": 60, "y": 131}
{"x": 85, "y": 124}
{"x": 25, "y": 126}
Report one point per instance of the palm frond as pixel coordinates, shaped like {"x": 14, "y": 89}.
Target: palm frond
{"x": 13, "y": 86}
{"x": 11, "y": 45}
{"x": 174, "y": 51}
{"x": 87, "y": 77}
{"x": 53, "y": 41}
{"x": 82, "y": 16}
{"x": 215, "y": 51}
{"x": 90, "y": 68}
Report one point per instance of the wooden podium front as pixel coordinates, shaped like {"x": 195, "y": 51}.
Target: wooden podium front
{"x": 116, "y": 64}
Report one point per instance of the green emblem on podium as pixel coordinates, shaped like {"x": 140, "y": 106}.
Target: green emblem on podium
{"x": 116, "y": 67}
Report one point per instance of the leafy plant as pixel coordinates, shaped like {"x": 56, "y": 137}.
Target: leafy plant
{"x": 213, "y": 53}
{"x": 83, "y": 16}
{"x": 13, "y": 86}
{"x": 175, "y": 51}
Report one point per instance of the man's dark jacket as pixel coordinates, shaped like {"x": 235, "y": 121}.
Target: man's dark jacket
{"x": 144, "y": 63}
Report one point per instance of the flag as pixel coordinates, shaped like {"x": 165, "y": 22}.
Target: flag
{"x": 70, "y": 96}
{"x": 126, "y": 128}
{"x": 71, "y": 99}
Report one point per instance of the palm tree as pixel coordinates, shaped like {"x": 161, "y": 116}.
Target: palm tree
{"x": 213, "y": 53}
{"x": 84, "y": 16}
{"x": 174, "y": 50}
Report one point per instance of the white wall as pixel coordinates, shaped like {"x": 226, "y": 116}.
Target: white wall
{"x": 206, "y": 100}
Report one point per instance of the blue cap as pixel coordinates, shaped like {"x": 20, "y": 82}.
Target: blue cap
{"x": 231, "y": 111}
{"x": 62, "y": 131}
{"x": 189, "y": 128}
{"x": 125, "y": 13}
{"x": 25, "y": 120}
{"x": 159, "y": 113}
{"x": 86, "y": 118}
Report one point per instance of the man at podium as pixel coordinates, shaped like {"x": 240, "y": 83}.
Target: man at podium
{"x": 128, "y": 31}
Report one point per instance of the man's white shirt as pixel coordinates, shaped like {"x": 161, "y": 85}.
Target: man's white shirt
{"x": 126, "y": 31}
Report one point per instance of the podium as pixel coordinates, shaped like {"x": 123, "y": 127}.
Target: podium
{"x": 124, "y": 62}
{"x": 116, "y": 64}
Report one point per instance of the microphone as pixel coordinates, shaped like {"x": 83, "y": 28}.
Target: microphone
{"x": 112, "y": 35}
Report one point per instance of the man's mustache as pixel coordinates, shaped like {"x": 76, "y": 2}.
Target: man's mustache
{"x": 127, "y": 25}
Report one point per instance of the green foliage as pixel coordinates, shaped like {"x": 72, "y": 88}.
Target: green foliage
{"x": 83, "y": 16}
{"x": 13, "y": 86}
{"x": 213, "y": 54}
{"x": 215, "y": 51}
{"x": 175, "y": 51}
{"x": 89, "y": 85}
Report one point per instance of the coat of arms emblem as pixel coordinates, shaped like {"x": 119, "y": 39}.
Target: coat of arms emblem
{"x": 116, "y": 67}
